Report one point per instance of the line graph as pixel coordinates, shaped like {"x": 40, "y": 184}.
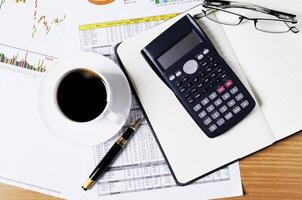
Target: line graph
{"x": 2, "y": 2}
{"x": 42, "y": 22}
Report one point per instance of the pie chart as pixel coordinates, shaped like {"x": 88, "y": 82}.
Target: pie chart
{"x": 100, "y": 2}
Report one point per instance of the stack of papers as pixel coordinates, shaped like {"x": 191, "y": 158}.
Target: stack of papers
{"x": 31, "y": 156}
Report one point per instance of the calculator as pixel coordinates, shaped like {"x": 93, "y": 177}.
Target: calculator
{"x": 188, "y": 63}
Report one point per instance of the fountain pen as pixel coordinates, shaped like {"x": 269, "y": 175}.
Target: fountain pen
{"x": 112, "y": 153}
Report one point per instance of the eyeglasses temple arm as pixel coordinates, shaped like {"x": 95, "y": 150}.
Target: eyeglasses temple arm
{"x": 230, "y": 4}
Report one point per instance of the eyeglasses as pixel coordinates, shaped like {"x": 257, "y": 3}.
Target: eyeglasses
{"x": 235, "y": 13}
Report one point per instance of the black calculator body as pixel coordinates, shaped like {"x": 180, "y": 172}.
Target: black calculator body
{"x": 186, "y": 60}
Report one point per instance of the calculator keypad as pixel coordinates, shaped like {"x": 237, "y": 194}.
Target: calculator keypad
{"x": 213, "y": 93}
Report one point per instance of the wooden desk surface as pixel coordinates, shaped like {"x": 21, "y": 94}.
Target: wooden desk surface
{"x": 273, "y": 173}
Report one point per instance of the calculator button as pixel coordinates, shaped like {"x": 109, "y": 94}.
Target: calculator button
{"x": 215, "y": 115}
{"x": 210, "y": 108}
{"x": 184, "y": 79}
{"x": 187, "y": 95}
{"x": 223, "y": 109}
{"x": 197, "y": 96}
{"x": 178, "y": 83}
{"x": 193, "y": 90}
{"x": 236, "y": 110}
{"x": 211, "y": 59}
{"x": 178, "y": 73}
{"x": 221, "y": 89}
{"x": 234, "y": 90}
{"x": 207, "y": 121}
{"x": 206, "y": 80}
{"x": 213, "y": 128}
{"x": 231, "y": 103}
{"x": 204, "y": 64}
{"x": 205, "y": 52}
{"x": 226, "y": 96}
{"x": 199, "y": 85}
{"x": 213, "y": 95}
{"x": 205, "y": 101}
{"x": 202, "y": 75}
{"x": 202, "y": 114}
{"x": 220, "y": 122}
{"x": 172, "y": 77}
{"x": 190, "y": 100}
{"x": 195, "y": 79}
{"x": 189, "y": 85}
{"x": 239, "y": 97}
{"x": 211, "y": 85}
{"x": 213, "y": 75}
{"x": 218, "y": 102}
{"x": 190, "y": 67}
{"x": 209, "y": 69}
{"x": 244, "y": 104}
{"x": 228, "y": 83}
{"x": 200, "y": 56}
{"x": 217, "y": 80}
{"x": 228, "y": 116}
{"x": 182, "y": 89}
{"x": 197, "y": 107}
{"x": 219, "y": 69}
{"x": 224, "y": 75}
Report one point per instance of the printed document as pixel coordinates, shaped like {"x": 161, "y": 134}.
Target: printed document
{"x": 31, "y": 156}
{"x": 141, "y": 169}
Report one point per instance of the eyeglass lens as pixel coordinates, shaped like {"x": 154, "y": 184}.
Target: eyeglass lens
{"x": 236, "y": 16}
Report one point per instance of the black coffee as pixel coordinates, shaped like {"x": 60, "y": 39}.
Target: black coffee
{"x": 82, "y": 95}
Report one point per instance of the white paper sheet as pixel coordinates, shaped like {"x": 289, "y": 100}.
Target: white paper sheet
{"x": 32, "y": 157}
{"x": 33, "y": 34}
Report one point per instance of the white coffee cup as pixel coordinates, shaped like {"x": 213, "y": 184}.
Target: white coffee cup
{"x": 108, "y": 122}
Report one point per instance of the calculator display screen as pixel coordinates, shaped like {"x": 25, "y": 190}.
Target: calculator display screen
{"x": 178, "y": 50}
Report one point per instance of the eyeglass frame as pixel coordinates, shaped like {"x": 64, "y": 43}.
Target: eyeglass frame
{"x": 222, "y": 5}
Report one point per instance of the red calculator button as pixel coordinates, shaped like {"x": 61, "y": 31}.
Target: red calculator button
{"x": 221, "y": 89}
{"x": 228, "y": 83}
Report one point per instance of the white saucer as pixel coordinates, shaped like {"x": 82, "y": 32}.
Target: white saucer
{"x": 101, "y": 128}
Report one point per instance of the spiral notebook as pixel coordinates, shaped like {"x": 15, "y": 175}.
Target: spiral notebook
{"x": 268, "y": 65}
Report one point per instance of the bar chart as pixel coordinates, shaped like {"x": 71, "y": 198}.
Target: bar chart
{"x": 24, "y": 59}
{"x": 171, "y": 2}
{"x": 129, "y": 1}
